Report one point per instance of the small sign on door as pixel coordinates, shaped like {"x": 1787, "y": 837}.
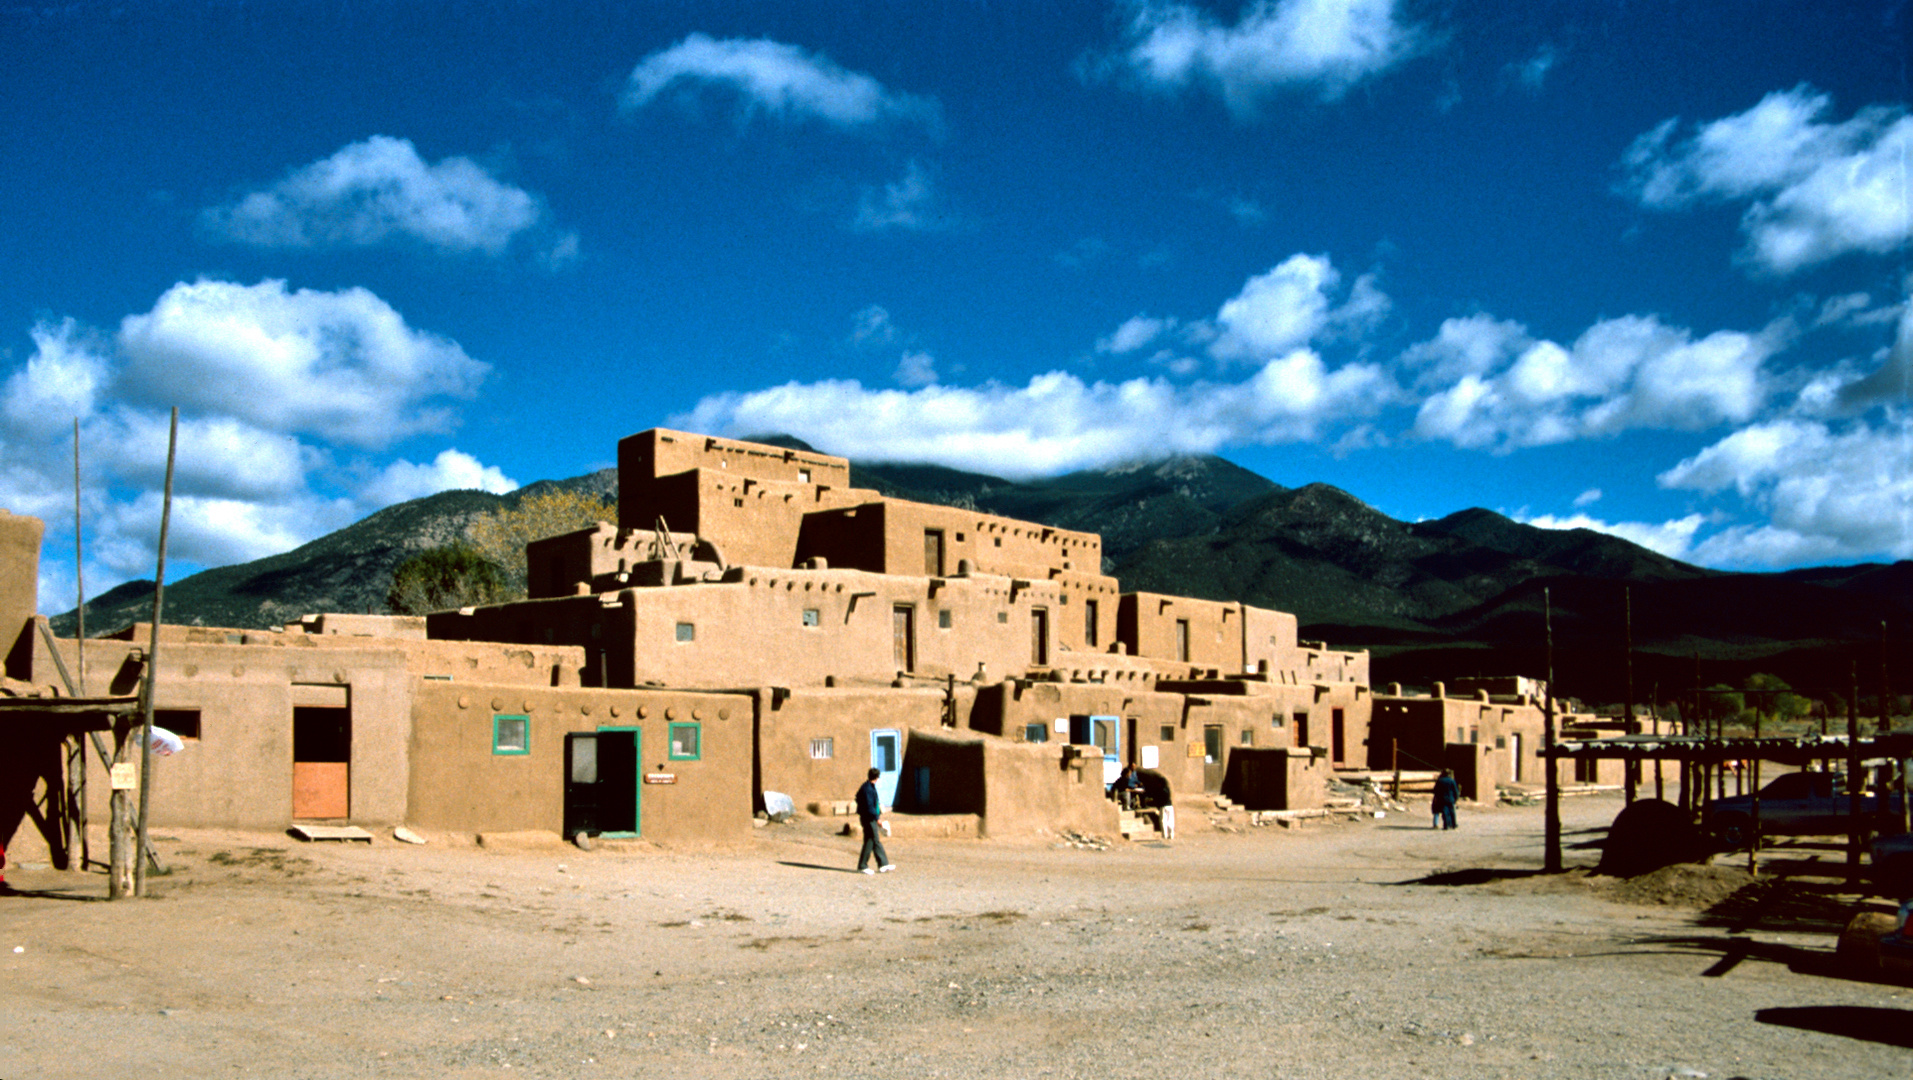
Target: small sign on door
{"x": 660, "y": 778}
{"x": 125, "y": 776}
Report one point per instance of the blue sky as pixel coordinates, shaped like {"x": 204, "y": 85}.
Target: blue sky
{"x": 1641, "y": 267}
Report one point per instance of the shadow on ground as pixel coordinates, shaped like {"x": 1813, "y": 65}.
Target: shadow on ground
{"x": 1890, "y": 1027}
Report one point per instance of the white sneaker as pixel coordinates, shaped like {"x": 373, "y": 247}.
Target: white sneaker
{"x": 886, "y": 868}
{"x": 866, "y": 870}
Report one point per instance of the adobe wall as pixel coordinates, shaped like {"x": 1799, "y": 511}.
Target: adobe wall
{"x": 788, "y": 724}
{"x": 1028, "y": 790}
{"x": 19, "y": 591}
{"x": 238, "y": 772}
{"x": 661, "y": 452}
{"x": 753, "y": 629}
{"x": 889, "y": 536}
{"x": 460, "y": 784}
{"x": 1275, "y": 778}
{"x": 601, "y": 557}
{"x": 244, "y": 684}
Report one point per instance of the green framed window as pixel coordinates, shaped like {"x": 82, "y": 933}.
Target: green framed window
{"x": 511, "y": 733}
{"x": 687, "y": 742}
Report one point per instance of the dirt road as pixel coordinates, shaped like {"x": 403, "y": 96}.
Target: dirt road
{"x": 1321, "y": 952}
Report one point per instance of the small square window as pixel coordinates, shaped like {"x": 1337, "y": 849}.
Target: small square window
{"x": 1002, "y": 616}
{"x": 823, "y": 749}
{"x": 1037, "y": 732}
{"x": 810, "y": 616}
{"x": 943, "y": 619}
{"x": 181, "y": 722}
{"x": 1248, "y": 736}
{"x": 999, "y": 541}
{"x": 1169, "y": 733}
{"x": 803, "y": 476}
{"x": 737, "y": 502}
{"x": 687, "y": 631}
{"x": 686, "y": 742}
{"x": 511, "y": 734}
{"x": 959, "y": 538}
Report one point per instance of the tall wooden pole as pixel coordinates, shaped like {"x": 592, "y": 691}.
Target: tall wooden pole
{"x": 1853, "y": 775}
{"x": 76, "y": 831}
{"x": 152, "y": 661}
{"x": 1552, "y": 845}
{"x": 1631, "y": 769}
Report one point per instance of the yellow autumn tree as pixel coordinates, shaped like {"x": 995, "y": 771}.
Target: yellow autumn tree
{"x": 501, "y": 535}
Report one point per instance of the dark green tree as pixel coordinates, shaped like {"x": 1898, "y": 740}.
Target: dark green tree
{"x": 441, "y": 578}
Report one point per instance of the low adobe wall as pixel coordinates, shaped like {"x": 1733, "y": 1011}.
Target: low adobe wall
{"x": 461, "y": 783}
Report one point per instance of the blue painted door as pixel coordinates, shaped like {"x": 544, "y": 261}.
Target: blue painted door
{"x": 886, "y": 756}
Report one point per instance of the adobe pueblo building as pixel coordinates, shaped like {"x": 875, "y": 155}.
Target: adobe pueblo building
{"x": 752, "y": 624}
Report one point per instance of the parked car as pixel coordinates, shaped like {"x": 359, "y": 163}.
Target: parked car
{"x": 1794, "y": 804}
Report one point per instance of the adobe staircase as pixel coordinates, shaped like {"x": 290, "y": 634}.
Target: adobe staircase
{"x": 1140, "y": 824}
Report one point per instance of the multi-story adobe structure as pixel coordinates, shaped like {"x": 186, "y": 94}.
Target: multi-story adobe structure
{"x": 1489, "y": 730}
{"x": 752, "y": 623}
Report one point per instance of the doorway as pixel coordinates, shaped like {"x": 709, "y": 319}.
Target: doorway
{"x": 903, "y": 633}
{"x": 1212, "y": 751}
{"x": 886, "y": 756}
{"x": 933, "y": 553}
{"x": 1337, "y": 738}
{"x": 601, "y": 783}
{"x": 321, "y": 762}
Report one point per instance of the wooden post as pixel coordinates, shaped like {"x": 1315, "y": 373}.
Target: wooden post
{"x": 1395, "y": 763}
{"x": 152, "y": 661}
{"x": 79, "y": 573}
{"x": 1753, "y": 782}
{"x": 1552, "y": 801}
{"x": 1631, "y": 768}
{"x": 1853, "y": 776}
{"x": 120, "y": 829}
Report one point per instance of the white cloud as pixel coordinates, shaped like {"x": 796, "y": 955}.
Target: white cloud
{"x": 1621, "y": 374}
{"x": 59, "y": 383}
{"x": 1827, "y": 494}
{"x": 1056, "y": 422}
{"x": 773, "y": 77}
{"x": 1328, "y": 45}
{"x": 910, "y": 202}
{"x": 1291, "y": 306}
{"x": 1587, "y": 498}
{"x": 281, "y": 394}
{"x": 916, "y": 368}
{"x": 340, "y": 365}
{"x": 1135, "y": 334}
{"x": 872, "y": 327}
{"x": 451, "y": 470}
{"x": 1815, "y": 190}
{"x": 1674, "y": 539}
{"x": 377, "y": 189}
{"x": 1532, "y": 74}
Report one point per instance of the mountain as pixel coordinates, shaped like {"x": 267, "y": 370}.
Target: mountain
{"x": 348, "y": 570}
{"x": 1468, "y": 594}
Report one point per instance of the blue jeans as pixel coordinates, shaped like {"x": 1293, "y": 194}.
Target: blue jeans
{"x": 872, "y": 843}
{"x": 1446, "y": 813}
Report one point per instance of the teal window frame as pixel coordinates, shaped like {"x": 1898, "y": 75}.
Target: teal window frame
{"x": 671, "y": 741}
{"x": 498, "y": 725}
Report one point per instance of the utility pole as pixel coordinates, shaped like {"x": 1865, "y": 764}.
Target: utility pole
{"x": 1632, "y": 767}
{"x": 152, "y": 664}
{"x": 1552, "y": 845}
{"x": 1853, "y": 775}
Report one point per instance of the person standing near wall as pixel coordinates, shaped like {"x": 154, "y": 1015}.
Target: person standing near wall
{"x": 870, "y": 815}
{"x": 1447, "y": 794}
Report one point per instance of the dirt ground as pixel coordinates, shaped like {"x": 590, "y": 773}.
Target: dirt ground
{"x": 1375, "y": 949}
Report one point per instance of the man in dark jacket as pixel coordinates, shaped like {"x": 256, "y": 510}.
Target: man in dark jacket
{"x": 1447, "y": 794}
{"x": 870, "y": 814}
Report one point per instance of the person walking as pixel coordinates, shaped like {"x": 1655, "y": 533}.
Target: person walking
{"x": 1447, "y": 794}
{"x": 870, "y": 815}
